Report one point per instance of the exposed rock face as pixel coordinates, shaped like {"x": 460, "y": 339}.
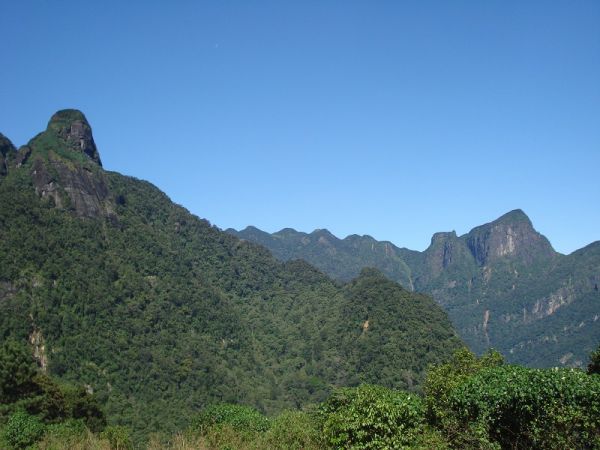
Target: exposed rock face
{"x": 444, "y": 248}
{"x": 7, "y": 152}
{"x": 548, "y": 305}
{"x": 39, "y": 349}
{"x": 22, "y": 156}
{"x": 88, "y": 193}
{"x": 58, "y": 170}
{"x": 73, "y": 128}
{"x": 512, "y": 235}
{"x": 45, "y": 185}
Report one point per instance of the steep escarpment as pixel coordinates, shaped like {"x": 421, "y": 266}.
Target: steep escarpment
{"x": 73, "y": 131}
{"x": 511, "y": 236}
{"x": 7, "y": 153}
{"x": 161, "y": 313}
{"x": 63, "y": 164}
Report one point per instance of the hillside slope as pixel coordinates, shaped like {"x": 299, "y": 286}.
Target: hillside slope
{"x": 502, "y": 284}
{"x": 160, "y": 313}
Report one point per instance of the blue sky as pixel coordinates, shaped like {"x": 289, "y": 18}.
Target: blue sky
{"x": 394, "y": 119}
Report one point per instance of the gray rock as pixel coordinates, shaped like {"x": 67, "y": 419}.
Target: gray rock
{"x": 7, "y": 152}
{"x": 87, "y": 191}
{"x": 22, "y": 156}
{"x": 73, "y": 128}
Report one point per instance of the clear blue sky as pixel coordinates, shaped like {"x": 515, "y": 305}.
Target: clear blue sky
{"x": 394, "y": 119}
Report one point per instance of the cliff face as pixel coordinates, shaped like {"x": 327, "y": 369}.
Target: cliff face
{"x": 64, "y": 165}
{"x": 510, "y": 236}
{"x": 7, "y": 152}
{"x": 72, "y": 128}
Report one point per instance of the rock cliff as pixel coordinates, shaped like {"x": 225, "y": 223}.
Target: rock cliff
{"x": 64, "y": 165}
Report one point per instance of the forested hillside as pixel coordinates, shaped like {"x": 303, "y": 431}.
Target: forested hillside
{"x": 468, "y": 403}
{"x": 158, "y": 313}
{"x": 502, "y": 284}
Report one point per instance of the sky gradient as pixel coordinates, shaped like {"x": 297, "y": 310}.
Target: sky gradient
{"x": 393, "y": 119}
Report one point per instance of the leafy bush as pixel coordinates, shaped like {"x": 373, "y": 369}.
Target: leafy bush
{"x": 239, "y": 417}
{"x": 293, "y": 430}
{"x": 524, "y": 408}
{"x": 442, "y": 379}
{"x": 22, "y": 430}
{"x": 372, "y": 417}
{"x": 67, "y": 429}
{"x": 71, "y": 434}
{"x": 118, "y": 436}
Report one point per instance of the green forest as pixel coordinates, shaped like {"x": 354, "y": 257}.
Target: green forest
{"x": 469, "y": 402}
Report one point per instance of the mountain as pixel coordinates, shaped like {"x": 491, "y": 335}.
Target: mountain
{"x": 502, "y": 284}
{"x": 342, "y": 259}
{"x": 159, "y": 313}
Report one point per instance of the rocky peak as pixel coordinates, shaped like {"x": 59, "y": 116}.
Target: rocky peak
{"x": 511, "y": 235}
{"x": 288, "y": 232}
{"x": 442, "y": 237}
{"x": 7, "y": 152}
{"x": 324, "y": 237}
{"x": 445, "y": 248}
{"x": 65, "y": 167}
{"x": 73, "y": 128}
{"x": 6, "y": 146}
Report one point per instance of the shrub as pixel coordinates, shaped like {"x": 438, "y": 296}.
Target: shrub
{"x": 293, "y": 430}
{"x": 531, "y": 408}
{"x": 22, "y": 430}
{"x": 442, "y": 379}
{"x": 118, "y": 436}
{"x": 71, "y": 428}
{"x": 371, "y": 417}
{"x": 239, "y": 417}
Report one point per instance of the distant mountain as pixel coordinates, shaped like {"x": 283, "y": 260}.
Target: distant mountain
{"x": 502, "y": 284}
{"x": 160, "y": 313}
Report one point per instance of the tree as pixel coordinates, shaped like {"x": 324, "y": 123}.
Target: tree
{"x": 594, "y": 365}
{"x": 25, "y": 388}
{"x": 17, "y": 372}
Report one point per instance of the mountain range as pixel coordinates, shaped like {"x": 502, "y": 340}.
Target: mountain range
{"x": 159, "y": 313}
{"x": 502, "y": 284}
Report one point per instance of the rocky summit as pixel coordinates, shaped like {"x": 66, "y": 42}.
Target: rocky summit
{"x": 7, "y": 152}
{"x": 64, "y": 166}
{"x": 71, "y": 126}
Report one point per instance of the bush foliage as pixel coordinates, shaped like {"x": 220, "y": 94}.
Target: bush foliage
{"x": 371, "y": 417}
{"x": 469, "y": 403}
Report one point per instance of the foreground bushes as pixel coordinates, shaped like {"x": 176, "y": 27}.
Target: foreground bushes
{"x": 531, "y": 408}
{"x": 468, "y": 403}
{"x": 372, "y": 417}
{"x": 239, "y": 417}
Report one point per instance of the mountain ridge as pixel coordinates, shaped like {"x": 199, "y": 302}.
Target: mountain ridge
{"x": 495, "y": 276}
